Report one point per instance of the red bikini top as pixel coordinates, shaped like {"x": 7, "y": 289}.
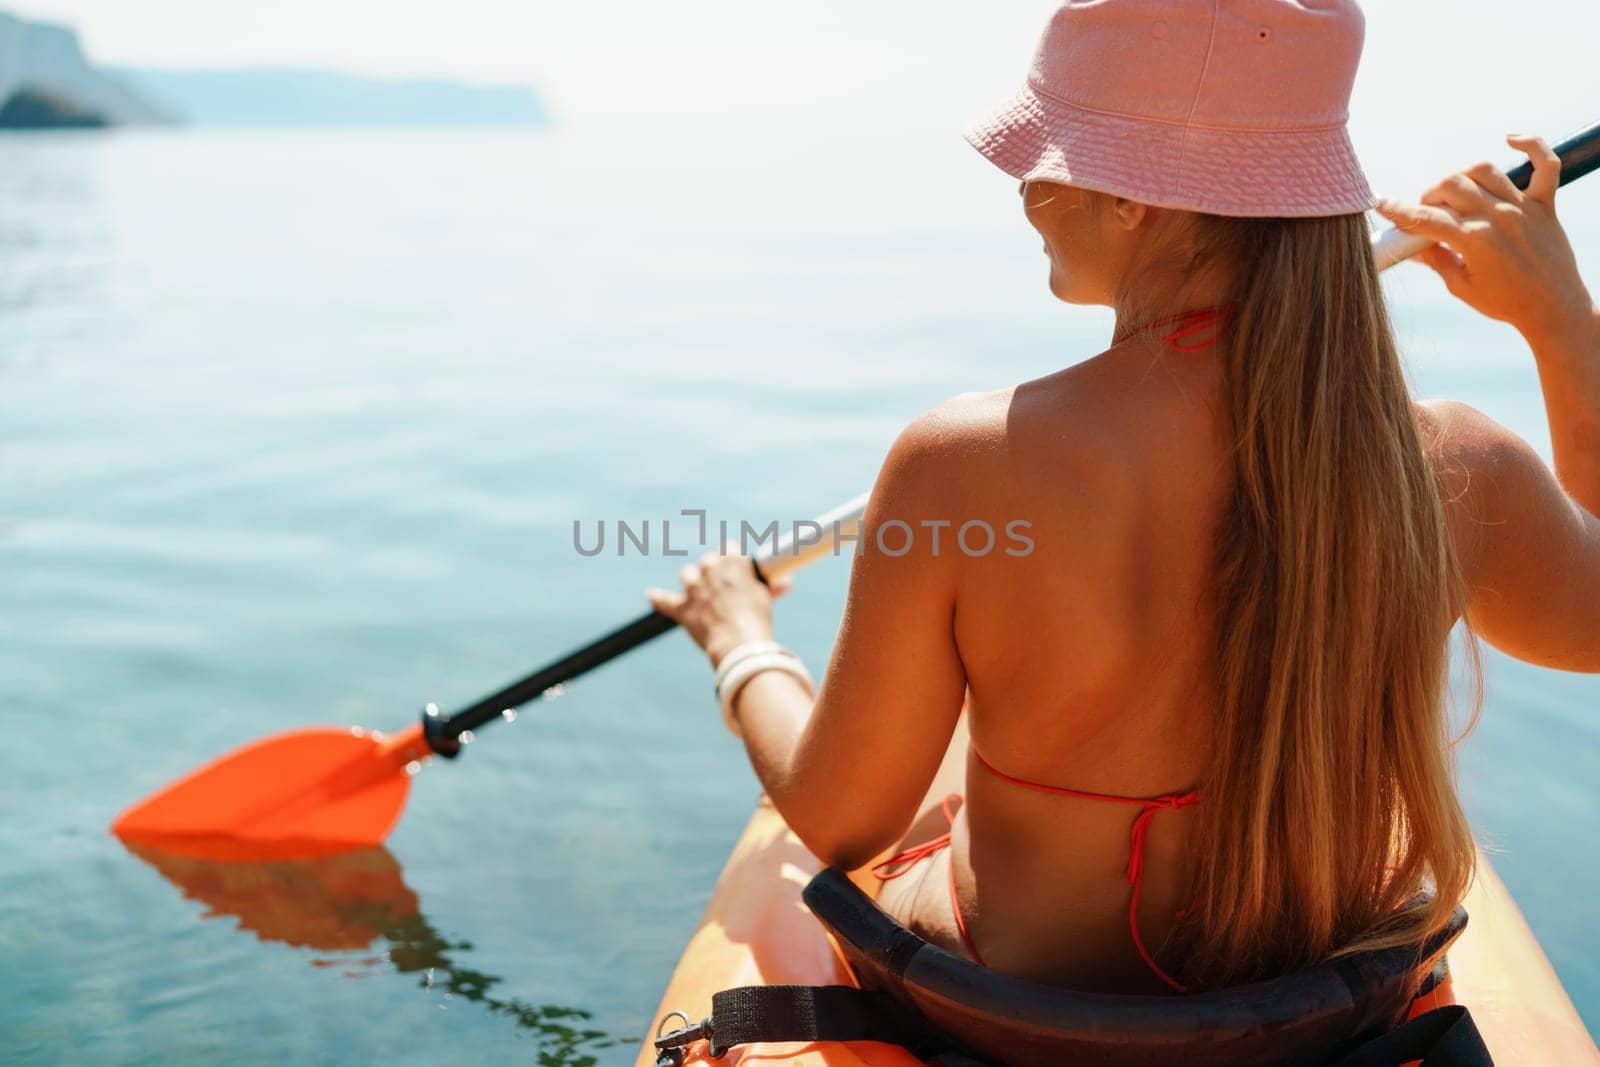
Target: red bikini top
{"x": 1135, "y": 873}
{"x": 1193, "y": 331}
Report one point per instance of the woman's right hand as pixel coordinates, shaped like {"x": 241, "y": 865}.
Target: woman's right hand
{"x": 1501, "y": 250}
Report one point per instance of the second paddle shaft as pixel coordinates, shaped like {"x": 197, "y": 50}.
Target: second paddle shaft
{"x": 1579, "y": 155}
{"x": 444, "y": 732}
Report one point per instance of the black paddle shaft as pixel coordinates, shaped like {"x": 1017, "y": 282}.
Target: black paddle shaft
{"x": 443, "y": 732}
{"x": 1579, "y": 154}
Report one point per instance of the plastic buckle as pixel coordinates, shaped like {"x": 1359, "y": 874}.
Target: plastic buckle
{"x": 669, "y": 1046}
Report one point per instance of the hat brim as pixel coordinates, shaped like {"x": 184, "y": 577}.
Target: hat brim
{"x": 1249, "y": 173}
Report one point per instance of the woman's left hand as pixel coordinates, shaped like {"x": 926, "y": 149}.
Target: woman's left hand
{"x": 723, "y": 603}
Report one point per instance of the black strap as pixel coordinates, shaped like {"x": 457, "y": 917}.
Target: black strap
{"x": 752, "y": 1014}
{"x": 807, "y": 1013}
{"x": 1443, "y": 1037}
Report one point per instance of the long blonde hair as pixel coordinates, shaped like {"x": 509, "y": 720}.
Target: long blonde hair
{"x": 1330, "y": 800}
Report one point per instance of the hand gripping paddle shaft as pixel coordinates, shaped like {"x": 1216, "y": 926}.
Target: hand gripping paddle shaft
{"x": 444, "y": 733}
{"x": 1579, "y": 155}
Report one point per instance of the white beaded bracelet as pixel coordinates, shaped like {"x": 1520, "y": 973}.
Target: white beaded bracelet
{"x": 744, "y": 651}
{"x": 747, "y": 668}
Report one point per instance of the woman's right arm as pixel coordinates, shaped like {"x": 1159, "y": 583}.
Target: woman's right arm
{"x": 1529, "y": 537}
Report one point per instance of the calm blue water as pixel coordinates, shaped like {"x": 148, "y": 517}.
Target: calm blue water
{"x": 294, "y": 430}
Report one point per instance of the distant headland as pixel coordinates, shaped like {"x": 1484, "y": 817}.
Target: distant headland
{"x": 296, "y": 97}
{"x": 46, "y": 82}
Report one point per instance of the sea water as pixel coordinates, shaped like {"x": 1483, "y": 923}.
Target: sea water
{"x": 294, "y": 429}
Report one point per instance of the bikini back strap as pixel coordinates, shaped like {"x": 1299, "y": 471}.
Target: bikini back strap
{"x": 1141, "y": 823}
{"x": 1196, "y": 330}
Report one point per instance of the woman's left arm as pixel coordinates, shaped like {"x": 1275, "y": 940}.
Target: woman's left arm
{"x": 848, "y": 771}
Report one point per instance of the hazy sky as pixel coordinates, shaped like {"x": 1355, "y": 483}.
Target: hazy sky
{"x": 1442, "y": 80}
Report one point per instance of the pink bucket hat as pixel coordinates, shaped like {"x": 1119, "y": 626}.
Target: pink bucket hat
{"x": 1229, "y": 107}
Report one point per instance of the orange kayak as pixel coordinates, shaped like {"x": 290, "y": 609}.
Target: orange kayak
{"x": 756, "y": 931}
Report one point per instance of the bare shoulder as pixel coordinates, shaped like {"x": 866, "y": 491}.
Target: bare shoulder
{"x": 960, "y": 458}
{"x": 1486, "y": 472}
{"x": 1530, "y": 552}
{"x": 964, "y": 423}
{"x": 1474, "y": 455}
{"x": 1464, "y": 430}
{"x": 950, "y": 439}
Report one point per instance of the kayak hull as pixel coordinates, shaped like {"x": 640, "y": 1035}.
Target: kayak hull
{"x": 756, "y": 931}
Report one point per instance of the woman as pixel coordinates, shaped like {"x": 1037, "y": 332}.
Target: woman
{"x": 1205, "y": 738}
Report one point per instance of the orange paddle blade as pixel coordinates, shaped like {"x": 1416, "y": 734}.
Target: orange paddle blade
{"x": 295, "y": 795}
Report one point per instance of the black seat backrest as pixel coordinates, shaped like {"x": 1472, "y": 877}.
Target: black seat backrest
{"x": 1302, "y": 1020}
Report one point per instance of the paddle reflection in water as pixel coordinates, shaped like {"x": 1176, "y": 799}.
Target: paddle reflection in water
{"x": 345, "y": 904}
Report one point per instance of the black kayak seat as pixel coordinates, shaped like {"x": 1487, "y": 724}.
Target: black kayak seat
{"x": 1310, "y": 1018}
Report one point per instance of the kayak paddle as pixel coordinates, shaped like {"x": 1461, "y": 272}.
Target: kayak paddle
{"x": 1579, "y": 154}
{"x": 324, "y": 789}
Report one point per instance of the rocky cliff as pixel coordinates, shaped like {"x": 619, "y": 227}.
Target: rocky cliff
{"x": 45, "y": 60}
{"x": 29, "y": 109}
